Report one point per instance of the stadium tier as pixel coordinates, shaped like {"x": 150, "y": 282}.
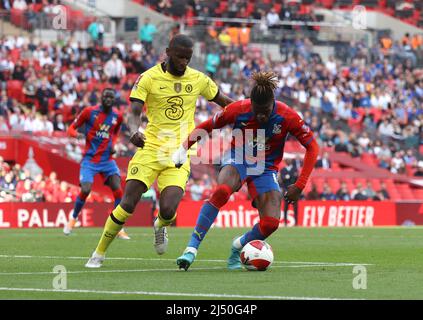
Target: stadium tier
{"x": 354, "y": 106}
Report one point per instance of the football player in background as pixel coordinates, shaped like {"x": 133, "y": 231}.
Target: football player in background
{"x": 102, "y": 125}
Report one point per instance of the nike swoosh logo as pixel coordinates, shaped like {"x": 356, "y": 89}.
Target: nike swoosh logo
{"x": 161, "y": 88}
{"x": 243, "y": 124}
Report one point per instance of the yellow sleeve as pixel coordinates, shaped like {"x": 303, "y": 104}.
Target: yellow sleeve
{"x": 209, "y": 88}
{"x": 141, "y": 88}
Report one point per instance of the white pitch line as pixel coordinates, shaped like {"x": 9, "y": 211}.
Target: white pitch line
{"x": 178, "y": 294}
{"x": 164, "y": 259}
{"x": 103, "y": 271}
{"x": 155, "y": 270}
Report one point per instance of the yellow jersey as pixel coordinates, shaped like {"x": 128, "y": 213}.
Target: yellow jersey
{"x": 170, "y": 104}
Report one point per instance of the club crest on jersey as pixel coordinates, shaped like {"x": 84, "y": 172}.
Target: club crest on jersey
{"x": 178, "y": 87}
{"x": 188, "y": 88}
{"x": 305, "y": 128}
{"x": 277, "y": 129}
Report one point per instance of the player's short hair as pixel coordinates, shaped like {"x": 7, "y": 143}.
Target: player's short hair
{"x": 264, "y": 85}
{"x": 109, "y": 89}
{"x": 181, "y": 40}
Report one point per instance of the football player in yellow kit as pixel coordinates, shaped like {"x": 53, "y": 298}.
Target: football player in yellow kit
{"x": 170, "y": 91}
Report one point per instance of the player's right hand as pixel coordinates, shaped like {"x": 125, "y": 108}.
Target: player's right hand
{"x": 137, "y": 139}
{"x": 179, "y": 157}
{"x": 292, "y": 194}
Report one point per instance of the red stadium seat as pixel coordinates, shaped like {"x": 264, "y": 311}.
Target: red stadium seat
{"x": 14, "y": 90}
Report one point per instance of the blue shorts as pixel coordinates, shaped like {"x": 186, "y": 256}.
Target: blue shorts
{"x": 89, "y": 170}
{"x": 259, "y": 179}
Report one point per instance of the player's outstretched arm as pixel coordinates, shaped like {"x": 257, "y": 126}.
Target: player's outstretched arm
{"x": 304, "y": 135}
{"x": 219, "y": 120}
{"x": 179, "y": 157}
{"x": 294, "y": 191}
{"x": 79, "y": 121}
{"x": 222, "y": 100}
{"x": 137, "y": 138}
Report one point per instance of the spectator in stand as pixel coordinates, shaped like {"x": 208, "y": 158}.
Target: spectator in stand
{"x": 147, "y": 33}
{"x": 384, "y": 191}
{"x": 26, "y": 193}
{"x": 8, "y": 183}
{"x": 93, "y": 30}
{"x": 384, "y": 162}
{"x": 313, "y": 194}
{"x": 197, "y": 189}
{"x": 4, "y": 108}
{"x": 272, "y": 19}
{"x": 224, "y": 38}
{"x": 419, "y": 169}
{"x": 397, "y": 163}
{"x": 44, "y": 125}
{"x": 18, "y": 72}
{"x": 342, "y": 145}
{"x": 58, "y": 124}
{"x": 324, "y": 162}
{"x": 342, "y": 193}
{"x": 410, "y": 158}
{"x": 6, "y": 5}
{"x": 20, "y": 5}
{"x": 212, "y": 63}
{"x": 370, "y": 193}
{"x": 327, "y": 193}
{"x": 298, "y": 162}
{"x": 114, "y": 69}
{"x": 30, "y": 87}
{"x": 359, "y": 193}
{"x": 4, "y": 128}
{"x": 287, "y": 176}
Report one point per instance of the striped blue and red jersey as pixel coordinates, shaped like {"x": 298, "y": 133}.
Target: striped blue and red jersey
{"x": 282, "y": 121}
{"x": 101, "y": 132}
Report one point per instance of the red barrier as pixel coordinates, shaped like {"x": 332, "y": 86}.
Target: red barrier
{"x": 409, "y": 213}
{"x": 52, "y": 215}
{"x": 310, "y": 214}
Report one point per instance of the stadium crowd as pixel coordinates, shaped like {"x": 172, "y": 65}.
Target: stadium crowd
{"x": 367, "y": 103}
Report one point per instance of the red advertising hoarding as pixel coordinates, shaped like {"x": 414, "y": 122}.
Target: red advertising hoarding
{"x": 310, "y": 214}
{"x": 56, "y": 215}
{"x": 409, "y": 213}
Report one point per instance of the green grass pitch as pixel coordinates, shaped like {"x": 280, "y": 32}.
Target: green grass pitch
{"x": 309, "y": 264}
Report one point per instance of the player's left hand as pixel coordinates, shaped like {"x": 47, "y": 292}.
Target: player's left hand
{"x": 138, "y": 139}
{"x": 179, "y": 157}
{"x": 292, "y": 194}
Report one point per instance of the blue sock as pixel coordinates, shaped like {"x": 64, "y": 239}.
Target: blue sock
{"x": 117, "y": 201}
{"x": 253, "y": 234}
{"x": 205, "y": 219}
{"x": 79, "y": 203}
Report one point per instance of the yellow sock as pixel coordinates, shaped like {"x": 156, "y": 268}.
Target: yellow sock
{"x": 112, "y": 228}
{"x": 160, "y": 222}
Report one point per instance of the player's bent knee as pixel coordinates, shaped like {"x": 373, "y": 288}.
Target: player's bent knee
{"x": 167, "y": 212}
{"x": 129, "y": 203}
{"x": 86, "y": 190}
{"x": 268, "y": 225}
{"x": 221, "y": 195}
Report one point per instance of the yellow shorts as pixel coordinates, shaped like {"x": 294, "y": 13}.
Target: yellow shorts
{"x": 146, "y": 167}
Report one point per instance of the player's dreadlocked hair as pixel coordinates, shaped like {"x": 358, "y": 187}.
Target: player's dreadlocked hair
{"x": 264, "y": 85}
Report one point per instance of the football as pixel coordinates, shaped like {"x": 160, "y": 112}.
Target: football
{"x": 257, "y": 255}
